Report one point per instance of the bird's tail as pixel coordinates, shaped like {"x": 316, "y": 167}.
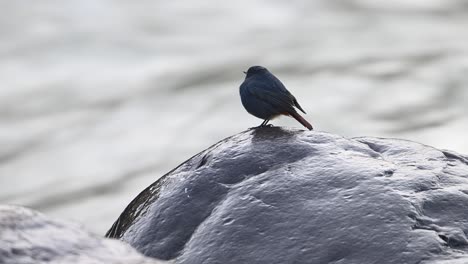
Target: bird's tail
{"x": 301, "y": 120}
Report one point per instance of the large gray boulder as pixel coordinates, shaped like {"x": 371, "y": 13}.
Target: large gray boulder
{"x": 29, "y": 237}
{"x": 270, "y": 195}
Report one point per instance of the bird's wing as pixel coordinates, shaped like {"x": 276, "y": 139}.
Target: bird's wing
{"x": 280, "y": 86}
{"x": 298, "y": 106}
{"x": 281, "y": 101}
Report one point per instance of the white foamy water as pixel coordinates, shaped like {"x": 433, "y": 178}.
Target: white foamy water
{"x": 98, "y": 99}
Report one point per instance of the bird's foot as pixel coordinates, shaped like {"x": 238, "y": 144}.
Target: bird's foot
{"x": 262, "y": 126}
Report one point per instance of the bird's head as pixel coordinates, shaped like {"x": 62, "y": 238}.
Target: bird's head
{"x": 255, "y": 70}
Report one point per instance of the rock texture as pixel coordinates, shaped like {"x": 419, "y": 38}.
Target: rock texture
{"x": 28, "y": 237}
{"x": 120, "y": 93}
{"x": 271, "y": 195}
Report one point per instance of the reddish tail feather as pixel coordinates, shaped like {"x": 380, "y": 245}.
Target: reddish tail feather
{"x": 301, "y": 120}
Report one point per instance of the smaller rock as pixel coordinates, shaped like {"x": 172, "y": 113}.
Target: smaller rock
{"x": 27, "y": 236}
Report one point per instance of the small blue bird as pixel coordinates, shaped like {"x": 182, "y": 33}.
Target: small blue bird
{"x": 265, "y": 97}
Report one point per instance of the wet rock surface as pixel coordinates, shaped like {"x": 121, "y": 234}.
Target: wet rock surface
{"x": 29, "y": 237}
{"x": 271, "y": 195}
{"x": 110, "y": 88}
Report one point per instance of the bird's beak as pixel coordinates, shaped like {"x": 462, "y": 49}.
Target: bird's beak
{"x": 244, "y": 72}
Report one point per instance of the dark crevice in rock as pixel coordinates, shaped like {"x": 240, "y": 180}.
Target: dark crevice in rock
{"x": 455, "y": 156}
{"x": 203, "y": 161}
{"x": 380, "y": 149}
{"x": 388, "y": 172}
{"x": 454, "y": 240}
{"x": 424, "y": 188}
{"x": 377, "y": 148}
{"x": 452, "y": 237}
{"x": 444, "y": 238}
{"x": 423, "y": 222}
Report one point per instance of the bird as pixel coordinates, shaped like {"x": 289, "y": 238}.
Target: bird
{"x": 265, "y": 96}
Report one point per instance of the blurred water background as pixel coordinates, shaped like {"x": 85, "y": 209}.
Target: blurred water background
{"x": 100, "y": 98}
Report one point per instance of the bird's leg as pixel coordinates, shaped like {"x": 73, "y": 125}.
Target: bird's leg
{"x": 261, "y": 125}
{"x": 265, "y": 123}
